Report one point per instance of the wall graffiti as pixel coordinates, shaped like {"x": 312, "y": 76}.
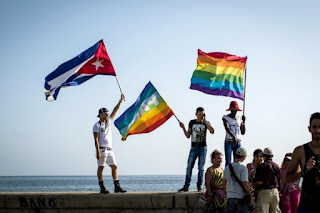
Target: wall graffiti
{"x": 40, "y": 202}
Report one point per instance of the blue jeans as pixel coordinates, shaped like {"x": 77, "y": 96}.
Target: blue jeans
{"x": 200, "y": 153}
{"x": 234, "y": 205}
{"x": 228, "y": 148}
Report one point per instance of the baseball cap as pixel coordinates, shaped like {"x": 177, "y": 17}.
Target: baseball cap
{"x": 101, "y": 110}
{"x": 241, "y": 151}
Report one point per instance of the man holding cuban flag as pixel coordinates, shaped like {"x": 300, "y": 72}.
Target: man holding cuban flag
{"x": 91, "y": 62}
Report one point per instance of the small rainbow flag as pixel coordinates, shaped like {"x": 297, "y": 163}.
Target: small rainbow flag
{"x": 148, "y": 113}
{"x": 219, "y": 74}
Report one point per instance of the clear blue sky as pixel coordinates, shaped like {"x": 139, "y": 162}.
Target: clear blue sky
{"x": 153, "y": 41}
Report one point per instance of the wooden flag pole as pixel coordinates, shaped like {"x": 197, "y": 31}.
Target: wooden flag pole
{"x": 244, "y": 89}
{"x": 119, "y": 85}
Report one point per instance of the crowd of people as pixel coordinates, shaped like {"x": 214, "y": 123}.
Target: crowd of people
{"x": 260, "y": 186}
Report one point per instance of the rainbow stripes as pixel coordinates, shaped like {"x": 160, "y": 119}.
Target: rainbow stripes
{"x": 219, "y": 74}
{"x": 148, "y": 113}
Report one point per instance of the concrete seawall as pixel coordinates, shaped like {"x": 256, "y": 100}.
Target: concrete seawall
{"x": 52, "y": 202}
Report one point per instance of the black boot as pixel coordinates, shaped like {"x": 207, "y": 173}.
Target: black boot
{"x": 117, "y": 187}
{"x": 199, "y": 187}
{"x": 184, "y": 189}
{"x": 102, "y": 188}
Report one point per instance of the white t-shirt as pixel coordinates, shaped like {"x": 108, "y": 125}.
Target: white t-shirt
{"x": 234, "y": 190}
{"x": 234, "y": 125}
{"x": 104, "y": 130}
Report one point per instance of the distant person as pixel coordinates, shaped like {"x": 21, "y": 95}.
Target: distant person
{"x": 234, "y": 126}
{"x": 197, "y": 130}
{"x": 305, "y": 163}
{"x": 267, "y": 179}
{"x": 235, "y": 191}
{"x": 103, "y": 142}
{"x": 252, "y": 168}
{"x": 216, "y": 201}
{"x": 290, "y": 192}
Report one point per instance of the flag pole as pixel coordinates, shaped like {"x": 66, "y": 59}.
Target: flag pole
{"x": 119, "y": 85}
{"x": 244, "y": 89}
{"x": 177, "y": 118}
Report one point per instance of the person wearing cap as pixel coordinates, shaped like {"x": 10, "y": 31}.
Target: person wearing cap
{"x": 234, "y": 126}
{"x": 103, "y": 142}
{"x": 290, "y": 192}
{"x": 267, "y": 180}
{"x": 232, "y": 189}
{"x": 305, "y": 163}
{"x": 198, "y": 132}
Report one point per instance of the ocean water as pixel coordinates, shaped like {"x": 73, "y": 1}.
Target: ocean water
{"x": 90, "y": 183}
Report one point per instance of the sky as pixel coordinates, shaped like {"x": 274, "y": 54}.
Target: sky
{"x": 153, "y": 41}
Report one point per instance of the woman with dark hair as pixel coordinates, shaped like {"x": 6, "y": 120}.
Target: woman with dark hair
{"x": 290, "y": 193}
{"x": 216, "y": 201}
{"x": 257, "y": 159}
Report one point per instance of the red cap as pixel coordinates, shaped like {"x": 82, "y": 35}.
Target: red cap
{"x": 234, "y": 106}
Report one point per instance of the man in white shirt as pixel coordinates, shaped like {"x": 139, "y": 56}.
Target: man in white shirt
{"x": 103, "y": 142}
{"x": 232, "y": 189}
{"x": 234, "y": 127}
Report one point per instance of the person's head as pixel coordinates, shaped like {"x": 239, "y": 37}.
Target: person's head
{"x": 200, "y": 113}
{"x": 314, "y": 127}
{"x": 241, "y": 154}
{"x": 286, "y": 160}
{"x": 267, "y": 153}
{"x": 103, "y": 113}
{"x": 257, "y": 156}
{"x": 216, "y": 158}
{"x": 234, "y": 107}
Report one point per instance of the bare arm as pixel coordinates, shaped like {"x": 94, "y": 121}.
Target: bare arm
{"x": 210, "y": 128}
{"x": 294, "y": 169}
{"x": 117, "y": 107}
{"x": 96, "y": 142}
{"x": 247, "y": 188}
{"x": 208, "y": 177}
{"x": 227, "y": 128}
{"x": 224, "y": 184}
{"x": 186, "y": 133}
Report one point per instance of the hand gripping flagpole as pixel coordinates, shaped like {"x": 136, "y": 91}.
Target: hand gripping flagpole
{"x": 244, "y": 89}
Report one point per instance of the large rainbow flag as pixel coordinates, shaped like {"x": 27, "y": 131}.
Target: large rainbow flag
{"x": 148, "y": 113}
{"x": 219, "y": 74}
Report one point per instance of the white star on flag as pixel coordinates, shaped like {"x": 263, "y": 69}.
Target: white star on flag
{"x": 98, "y": 64}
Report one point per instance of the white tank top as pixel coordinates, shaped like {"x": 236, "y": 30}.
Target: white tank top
{"x": 234, "y": 125}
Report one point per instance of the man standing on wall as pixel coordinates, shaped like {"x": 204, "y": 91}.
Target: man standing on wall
{"x": 103, "y": 142}
{"x": 233, "y": 126}
{"x": 198, "y": 132}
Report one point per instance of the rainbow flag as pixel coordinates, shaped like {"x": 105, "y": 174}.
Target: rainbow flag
{"x": 219, "y": 74}
{"x": 148, "y": 113}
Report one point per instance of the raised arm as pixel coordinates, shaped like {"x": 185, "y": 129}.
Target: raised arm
{"x": 210, "y": 128}
{"x": 117, "y": 107}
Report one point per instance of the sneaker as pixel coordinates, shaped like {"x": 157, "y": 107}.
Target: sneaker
{"x": 199, "y": 188}
{"x": 184, "y": 189}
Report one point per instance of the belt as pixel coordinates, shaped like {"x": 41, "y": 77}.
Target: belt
{"x": 107, "y": 148}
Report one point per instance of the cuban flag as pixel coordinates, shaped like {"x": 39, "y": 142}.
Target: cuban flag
{"x": 94, "y": 61}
